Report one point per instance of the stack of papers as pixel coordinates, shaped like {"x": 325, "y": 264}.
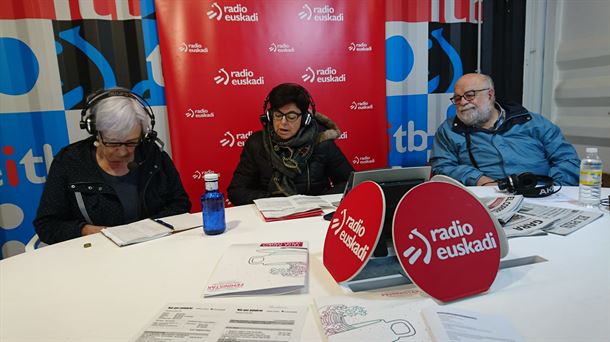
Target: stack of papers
{"x": 150, "y": 229}
{"x": 286, "y": 208}
{"x": 260, "y": 268}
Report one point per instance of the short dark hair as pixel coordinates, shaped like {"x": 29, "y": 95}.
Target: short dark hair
{"x": 286, "y": 93}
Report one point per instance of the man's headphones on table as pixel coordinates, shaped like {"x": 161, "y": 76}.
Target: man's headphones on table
{"x": 87, "y": 119}
{"x": 528, "y": 185}
{"x": 267, "y": 115}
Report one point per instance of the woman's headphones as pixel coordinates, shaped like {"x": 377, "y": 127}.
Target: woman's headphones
{"x": 87, "y": 119}
{"x": 528, "y": 185}
{"x": 267, "y": 115}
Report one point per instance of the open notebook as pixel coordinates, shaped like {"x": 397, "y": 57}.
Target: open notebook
{"x": 150, "y": 229}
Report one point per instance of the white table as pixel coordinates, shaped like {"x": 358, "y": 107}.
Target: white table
{"x": 66, "y": 292}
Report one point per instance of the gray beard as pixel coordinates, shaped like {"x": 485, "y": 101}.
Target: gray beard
{"x": 475, "y": 117}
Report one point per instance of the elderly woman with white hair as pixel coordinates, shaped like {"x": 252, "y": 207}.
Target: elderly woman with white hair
{"x": 117, "y": 176}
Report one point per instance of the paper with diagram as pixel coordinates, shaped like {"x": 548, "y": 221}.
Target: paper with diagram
{"x": 260, "y": 268}
{"x": 225, "y": 322}
{"x": 353, "y": 319}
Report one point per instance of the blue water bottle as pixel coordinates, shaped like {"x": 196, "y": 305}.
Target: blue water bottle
{"x": 213, "y": 206}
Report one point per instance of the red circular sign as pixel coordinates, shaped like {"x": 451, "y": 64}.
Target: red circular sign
{"x": 446, "y": 241}
{"x": 354, "y": 231}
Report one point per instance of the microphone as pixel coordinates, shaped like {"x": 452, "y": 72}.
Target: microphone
{"x": 132, "y": 165}
{"x": 151, "y": 140}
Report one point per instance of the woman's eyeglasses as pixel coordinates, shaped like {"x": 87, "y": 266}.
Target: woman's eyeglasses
{"x": 290, "y": 116}
{"x": 130, "y": 143}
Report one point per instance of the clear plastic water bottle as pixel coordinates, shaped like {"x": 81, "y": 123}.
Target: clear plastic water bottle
{"x": 213, "y": 206}
{"x": 590, "y": 179}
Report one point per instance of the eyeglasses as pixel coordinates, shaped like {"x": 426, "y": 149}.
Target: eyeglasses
{"x": 290, "y": 116}
{"x": 469, "y": 96}
{"x": 131, "y": 143}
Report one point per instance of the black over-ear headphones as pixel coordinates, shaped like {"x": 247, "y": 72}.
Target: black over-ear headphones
{"x": 528, "y": 185}
{"x": 87, "y": 119}
{"x": 267, "y": 115}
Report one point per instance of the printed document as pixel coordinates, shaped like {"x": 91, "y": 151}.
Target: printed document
{"x": 450, "y": 324}
{"x": 260, "y": 268}
{"x": 225, "y": 322}
{"x": 345, "y": 318}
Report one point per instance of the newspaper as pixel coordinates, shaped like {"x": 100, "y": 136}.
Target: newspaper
{"x": 565, "y": 221}
{"x": 526, "y": 225}
{"x": 503, "y": 207}
{"x": 519, "y": 218}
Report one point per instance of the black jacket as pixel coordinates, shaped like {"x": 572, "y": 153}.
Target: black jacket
{"x": 74, "y": 170}
{"x": 251, "y": 178}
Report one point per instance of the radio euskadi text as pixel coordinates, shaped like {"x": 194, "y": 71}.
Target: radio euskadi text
{"x": 350, "y": 240}
{"x": 464, "y": 246}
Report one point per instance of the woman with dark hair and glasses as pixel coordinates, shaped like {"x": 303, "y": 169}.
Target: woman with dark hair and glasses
{"x": 116, "y": 176}
{"x": 294, "y": 153}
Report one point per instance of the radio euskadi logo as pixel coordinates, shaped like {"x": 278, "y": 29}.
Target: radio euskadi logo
{"x": 244, "y": 77}
{"x": 358, "y": 160}
{"x": 457, "y": 243}
{"x": 200, "y": 113}
{"x": 350, "y": 230}
{"x": 281, "y": 48}
{"x": 234, "y": 139}
{"x": 360, "y": 105}
{"x": 198, "y": 174}
{"x": 192, "y": 48}
{"x": 317, "y": 13}
{"x": 237, "y": 13}
{"x": 359, "y": 47}
{"x": 326, "y": 75}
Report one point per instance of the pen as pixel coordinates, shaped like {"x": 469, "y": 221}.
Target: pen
{"x": 161, "y": 222}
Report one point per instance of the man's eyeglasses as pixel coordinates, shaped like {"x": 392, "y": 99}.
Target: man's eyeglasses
{"x": 290, "y": 116}
{"x": 469, "y": 96}
{"x": 130, "y": 143}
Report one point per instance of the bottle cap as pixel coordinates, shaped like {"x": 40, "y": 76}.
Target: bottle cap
{"x": 591, "y": 149}
{"x": 210, "y": 177}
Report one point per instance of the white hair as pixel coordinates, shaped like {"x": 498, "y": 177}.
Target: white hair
{"x": 490, "y": 82}
{"x": 117, "y": 116}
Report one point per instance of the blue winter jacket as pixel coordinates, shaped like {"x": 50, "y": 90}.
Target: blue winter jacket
{"x": 524, "y": 142}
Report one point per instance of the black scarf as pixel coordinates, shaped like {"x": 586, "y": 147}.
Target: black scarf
{"x": 288, "y": 158}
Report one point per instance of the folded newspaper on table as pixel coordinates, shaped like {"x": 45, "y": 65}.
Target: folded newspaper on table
{"x": 563, "y": 220}
{"x": 286, "y": 208}
{"x": 519, "y": 218}
{"x": 260, "y": 268}
{"x": 503, "y": 207}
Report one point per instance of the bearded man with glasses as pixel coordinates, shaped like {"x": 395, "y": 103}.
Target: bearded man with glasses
{"x": 116, "y": 176}
{"x": 294, "y": 153}
{"x": 491, "y": 139}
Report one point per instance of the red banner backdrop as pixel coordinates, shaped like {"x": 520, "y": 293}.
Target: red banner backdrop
{"x": 221, "y": 58}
